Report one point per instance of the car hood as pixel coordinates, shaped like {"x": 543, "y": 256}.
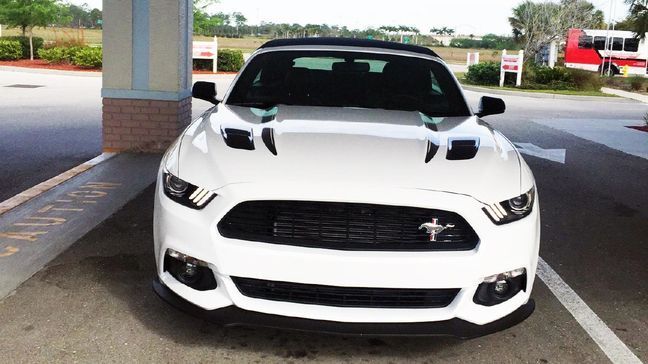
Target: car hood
{"x": 369, "y": 147}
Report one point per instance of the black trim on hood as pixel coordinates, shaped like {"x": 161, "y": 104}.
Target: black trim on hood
{"x": 432, "y": 149}
{"x": 267, "y": 134}
{"x": 238, "y": 139}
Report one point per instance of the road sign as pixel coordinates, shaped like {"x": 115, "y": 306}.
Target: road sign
{"x": 511, "y": 63}
{"x": 206, "y": 50}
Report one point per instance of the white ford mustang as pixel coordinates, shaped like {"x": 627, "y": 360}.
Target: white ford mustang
{"x": 346, "y": 186}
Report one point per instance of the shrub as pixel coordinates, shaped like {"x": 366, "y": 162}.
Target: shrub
{"x": 230, "y": 60}
{"x": 485, "y": 73}
{"x": 546, "y": 78}
{"x": 547, "y": 75}
{"x": 61, "y": 54}
{"x": 637, "y": 83}
{"x": 560, "y": 78}
{"x": 584, "y": 80}
{"x": 88, "y": 57}
{"x": 10, "y": 50}
{"x": 53, "y": 55}
{"x": 202, "y": 64}
{"x": 24, "y": 44}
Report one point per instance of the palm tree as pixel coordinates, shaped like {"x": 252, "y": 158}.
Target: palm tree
{"x": 638, "y": 17}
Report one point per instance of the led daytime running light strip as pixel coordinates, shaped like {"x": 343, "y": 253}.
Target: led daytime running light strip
{"x": 200, "y": 196}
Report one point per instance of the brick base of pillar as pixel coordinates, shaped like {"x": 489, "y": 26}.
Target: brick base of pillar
{"x": 143, "y": 125}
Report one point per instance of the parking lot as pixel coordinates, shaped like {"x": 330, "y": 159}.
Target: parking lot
{"x": 94, "y": 301}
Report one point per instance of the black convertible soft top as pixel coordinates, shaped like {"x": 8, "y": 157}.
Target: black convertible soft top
{"x": 349, "y": 42}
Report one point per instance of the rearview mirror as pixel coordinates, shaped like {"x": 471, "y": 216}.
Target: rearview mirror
{"x": 205, "y": 91}
{"x": 490, "y": 106}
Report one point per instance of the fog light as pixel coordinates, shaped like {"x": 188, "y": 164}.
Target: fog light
{"x": 188, "y": 274}
{"x": 500, "y": 287}
{"x": 189, "y": 271}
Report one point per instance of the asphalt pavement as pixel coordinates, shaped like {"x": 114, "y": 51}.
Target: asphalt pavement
{"x": 94, "y": 302}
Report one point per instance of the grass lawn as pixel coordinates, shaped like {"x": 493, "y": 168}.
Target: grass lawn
{"x": 88, "y": 36}
{"x": 458, "y": 55}
{"x": 247, "y": 44}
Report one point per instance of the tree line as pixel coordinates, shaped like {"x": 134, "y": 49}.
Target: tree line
{"x": 26, "y": 14}
{"x": 534, "y": 23}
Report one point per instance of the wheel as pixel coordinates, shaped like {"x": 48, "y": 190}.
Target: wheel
{"x": 614, "y": 70}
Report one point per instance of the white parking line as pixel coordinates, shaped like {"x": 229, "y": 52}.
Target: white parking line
{"x": 605, "y": 338}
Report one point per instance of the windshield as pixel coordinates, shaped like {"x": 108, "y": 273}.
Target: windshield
{"x": 348, "y": 79}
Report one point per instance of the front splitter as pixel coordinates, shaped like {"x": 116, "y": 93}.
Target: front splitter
{"x": 235, "y": 316}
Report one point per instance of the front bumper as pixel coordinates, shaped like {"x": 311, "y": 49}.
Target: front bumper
{"x": 234, "y": 316}
{"x": 502, "y": 248}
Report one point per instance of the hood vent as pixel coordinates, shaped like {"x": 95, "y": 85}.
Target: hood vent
{"x": 432, "y": 148}
{"x": 238, "y": 139}
{"x": 267, "y": 134}
{"x": 461, "y": 149}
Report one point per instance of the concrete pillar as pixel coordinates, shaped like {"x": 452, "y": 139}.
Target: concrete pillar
{"x": 146, "y": 73}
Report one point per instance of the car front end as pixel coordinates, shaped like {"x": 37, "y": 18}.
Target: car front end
{"x": 328, "y": 219}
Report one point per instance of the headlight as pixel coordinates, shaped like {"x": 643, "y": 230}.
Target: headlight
{"x": 511, "y": 210}
{"x": 185, "y": 193}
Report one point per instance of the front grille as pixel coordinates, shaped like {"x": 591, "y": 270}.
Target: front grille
{"x": 345, "y": 226}
{"x": 345, "y": 296}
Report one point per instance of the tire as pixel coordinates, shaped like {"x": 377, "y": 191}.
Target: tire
{"x": 614, "y": 70}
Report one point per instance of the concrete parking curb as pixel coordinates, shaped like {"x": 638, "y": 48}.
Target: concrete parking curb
{"x": 46, "y": 71}
{"x": 50, "y": 72}
{"x": 540, "y": 95}
{"x": 38, "y": 230}
{"x": 42, "y": 187}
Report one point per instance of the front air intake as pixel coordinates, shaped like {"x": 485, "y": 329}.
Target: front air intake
{"x": 462, "y": 149}
{"x": 238, "y": 139}
{"x": 314, "y": 294}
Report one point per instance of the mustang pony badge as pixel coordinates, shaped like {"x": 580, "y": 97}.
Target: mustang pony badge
{"x": 433, "y": 228}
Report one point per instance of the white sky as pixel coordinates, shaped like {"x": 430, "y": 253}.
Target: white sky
{"x": 465, "y": 16}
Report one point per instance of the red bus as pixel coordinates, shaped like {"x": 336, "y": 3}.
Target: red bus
{"x": 597, "y": 49}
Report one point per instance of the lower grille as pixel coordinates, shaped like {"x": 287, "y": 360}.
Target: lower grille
{"x": 345, "y": 296}
{"x": 346, "y": 226}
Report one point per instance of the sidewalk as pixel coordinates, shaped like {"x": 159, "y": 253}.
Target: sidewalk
{"x": 611, "y": 133}
{"x": 626, "y": 94}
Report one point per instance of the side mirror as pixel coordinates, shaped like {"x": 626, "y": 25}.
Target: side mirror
{"x": 205, "y": 91}
{"x": 490, "y": 106}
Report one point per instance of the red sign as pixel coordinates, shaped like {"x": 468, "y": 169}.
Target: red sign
{"x": 510, "y": 63}
{"x": 205, "y": 50}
